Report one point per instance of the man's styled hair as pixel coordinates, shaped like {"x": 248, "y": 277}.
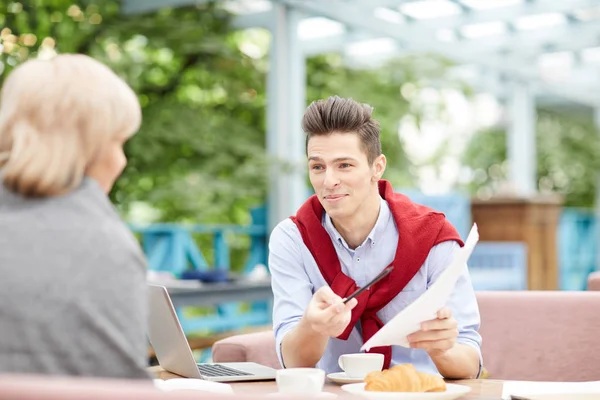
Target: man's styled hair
{"x": 56, "y": 116}
{"x": 339, "y": 115}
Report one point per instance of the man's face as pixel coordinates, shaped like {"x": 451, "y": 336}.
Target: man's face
{"x": 340, "y": 173}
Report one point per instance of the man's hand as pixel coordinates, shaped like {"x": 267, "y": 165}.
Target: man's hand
{"x": 437, "y": 335}
{"x": 327, "y": 314}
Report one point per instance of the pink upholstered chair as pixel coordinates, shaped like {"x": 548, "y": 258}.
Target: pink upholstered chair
{"x": 528, "y": 335}
{"x": 541, "y": 335}
{"x": 593, "y": 281}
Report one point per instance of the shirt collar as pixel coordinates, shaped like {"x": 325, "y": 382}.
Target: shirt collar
{"x": 381, "y": 224}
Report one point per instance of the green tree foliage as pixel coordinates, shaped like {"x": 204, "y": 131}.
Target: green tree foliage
{"x": 567, "y": 158}
{"x": 200, "y": 154}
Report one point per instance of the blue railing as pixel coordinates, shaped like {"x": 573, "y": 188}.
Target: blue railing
{"x": 577, "y": 243}
{"x": 173, "y": 248}
{"x": 499, "y": 266}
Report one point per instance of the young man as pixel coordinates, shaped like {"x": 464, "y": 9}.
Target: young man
{"x": 347, "y": 233}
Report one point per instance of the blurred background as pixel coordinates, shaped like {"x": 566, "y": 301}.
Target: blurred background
{"x": 489, "y": 111}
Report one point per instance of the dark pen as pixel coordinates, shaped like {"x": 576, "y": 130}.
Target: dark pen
{"x": 379, "y": 277}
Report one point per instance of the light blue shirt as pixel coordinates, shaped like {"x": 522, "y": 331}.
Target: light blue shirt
{"x": 296, "y": 276}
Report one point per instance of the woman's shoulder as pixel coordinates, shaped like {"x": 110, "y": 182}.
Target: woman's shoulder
{"x": 84, "y": 215}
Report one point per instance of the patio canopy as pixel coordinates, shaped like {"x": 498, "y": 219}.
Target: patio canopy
{"x": 521, "y": 51}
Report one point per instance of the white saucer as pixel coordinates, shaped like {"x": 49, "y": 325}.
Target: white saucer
{"x": 321, "y": 395}
{"x": 453, "y": 391}
{"x": 341, "y": 377}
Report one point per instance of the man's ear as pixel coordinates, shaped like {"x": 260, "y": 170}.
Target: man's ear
{"x": 379, "y": 167}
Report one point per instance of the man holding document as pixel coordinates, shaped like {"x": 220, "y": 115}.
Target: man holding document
{"x": 352, "y": 230}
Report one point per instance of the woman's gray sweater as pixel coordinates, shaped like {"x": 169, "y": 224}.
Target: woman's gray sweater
{"x": 72, "y": 287}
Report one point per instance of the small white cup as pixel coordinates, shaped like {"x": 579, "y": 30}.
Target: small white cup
{"x": 360, "y": 364}
{"x": 300, "y": 380}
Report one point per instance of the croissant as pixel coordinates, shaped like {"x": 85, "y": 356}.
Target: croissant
{"x": 403, "y": 378}
{"x": 432, "y": 383}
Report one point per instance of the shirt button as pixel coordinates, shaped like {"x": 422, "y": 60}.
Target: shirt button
{"x": 358, "y": 260}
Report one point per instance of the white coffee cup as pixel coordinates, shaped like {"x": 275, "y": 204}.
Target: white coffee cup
{"x": 359, "y": 365}
{"x": 300, "y": 380}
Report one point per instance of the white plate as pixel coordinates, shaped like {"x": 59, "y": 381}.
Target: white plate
{"x": 453, "y": 391}
{"x": 341, "y": 377}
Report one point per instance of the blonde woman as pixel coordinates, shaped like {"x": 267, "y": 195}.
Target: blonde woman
{"x": 72, "y": 276}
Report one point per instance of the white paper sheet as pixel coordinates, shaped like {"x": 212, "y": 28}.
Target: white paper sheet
{"x": 427, "y": 305}
{"x": 193, "y": 384}
{"x": 525, "y": 388}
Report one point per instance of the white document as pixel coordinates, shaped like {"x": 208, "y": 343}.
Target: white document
{"x": 427, "y": 305}
{"x": 524, "y": 388}
{"x": 168, "y": 385}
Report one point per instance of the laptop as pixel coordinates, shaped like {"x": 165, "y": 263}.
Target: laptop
{"x": 173, "y": 350}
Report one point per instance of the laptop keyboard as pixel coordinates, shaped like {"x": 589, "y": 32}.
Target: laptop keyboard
{"x": 220, "y": 370}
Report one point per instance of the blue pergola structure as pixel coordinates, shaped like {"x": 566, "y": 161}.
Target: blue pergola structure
{"x": 500, "y": 41}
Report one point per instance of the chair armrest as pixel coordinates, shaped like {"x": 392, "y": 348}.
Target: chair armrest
{"x": 258, "y": 347}
{"x": 593, "y": 281}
